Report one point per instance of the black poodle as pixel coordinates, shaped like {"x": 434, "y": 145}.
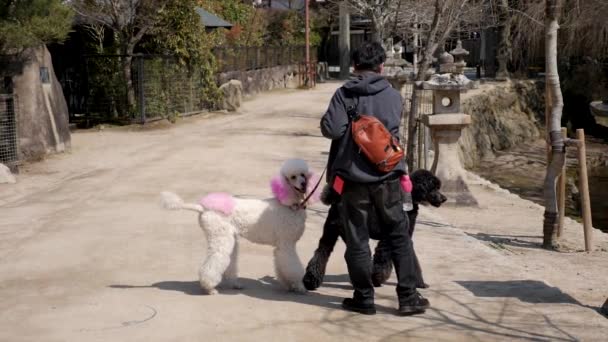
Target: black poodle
{"x": 426, "y": 189}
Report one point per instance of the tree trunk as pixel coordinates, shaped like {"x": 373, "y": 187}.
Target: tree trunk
{"x": 412, "y": 124}
{"x": 504, "y": 46}
{"x": 550, "y": 225}
{"x": 377, "y": 30}
{"x": 126, "y": 73}
{"x": 427, "y": 57}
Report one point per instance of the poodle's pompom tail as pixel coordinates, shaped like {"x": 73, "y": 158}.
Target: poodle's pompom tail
{"x": 172, "y": 201}
{"x": 328, "y": 195}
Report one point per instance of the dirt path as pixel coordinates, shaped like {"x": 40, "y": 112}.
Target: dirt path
{"x": 87, "y": 255}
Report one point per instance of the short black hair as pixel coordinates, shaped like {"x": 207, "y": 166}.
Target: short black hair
{"x": 368, "y": 56}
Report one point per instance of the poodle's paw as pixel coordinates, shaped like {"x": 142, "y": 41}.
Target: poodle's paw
{"x": 381, "y": 273}
{"x": 315, "y": 270}
{"x": 312, "y": 281}
{"x": 297, "y": 288}
{"x": 210, "y": 292}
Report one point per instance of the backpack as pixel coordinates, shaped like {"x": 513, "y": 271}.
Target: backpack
{"x": 373, "y": 139}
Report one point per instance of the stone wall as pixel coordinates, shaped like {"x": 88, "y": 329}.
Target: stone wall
{"x": 256, "y": 81}
{"x": 43, "y": 116}
{"x": 503, "y": 115}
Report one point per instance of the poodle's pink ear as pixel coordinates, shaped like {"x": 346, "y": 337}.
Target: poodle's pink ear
{"x": 313, "y": 179}
{"x": 280, "y": 190}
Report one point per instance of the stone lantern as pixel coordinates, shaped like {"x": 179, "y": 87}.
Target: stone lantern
{"x": 446, "y": 124}
{"x": 394, "y": 66}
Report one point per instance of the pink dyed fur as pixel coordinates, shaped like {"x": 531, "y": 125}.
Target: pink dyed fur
{"x": 219, "y": 201}
{"x": 280, "y": 190}
{"x": 406, "y": 183}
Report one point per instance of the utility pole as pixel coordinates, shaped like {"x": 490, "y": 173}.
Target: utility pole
{"x": 344, "y": 41}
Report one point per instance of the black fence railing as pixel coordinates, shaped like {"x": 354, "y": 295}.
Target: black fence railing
{"x": 243, "y": 58}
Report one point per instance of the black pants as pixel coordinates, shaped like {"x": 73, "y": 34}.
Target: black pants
{"x": 376, "y": 210}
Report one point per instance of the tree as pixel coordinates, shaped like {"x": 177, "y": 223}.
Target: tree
{"x": 505, "y": 49}
{"x": 446, "y": 15}
{"x": 583, "y": 29}
{"x": 25, "y": 24}
{"x": 130, "y": 20}
{"x": 181, "y": 34}
{"x": 380, "y": 12}
{"x": 558, "y": 151}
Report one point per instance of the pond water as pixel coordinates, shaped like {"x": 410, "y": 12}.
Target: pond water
{"x": 598, "y": 192}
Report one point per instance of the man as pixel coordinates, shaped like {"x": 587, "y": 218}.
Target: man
{"x": 371, "y": 201}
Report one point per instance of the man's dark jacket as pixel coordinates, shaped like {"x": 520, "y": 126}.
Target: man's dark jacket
{"x": 373, "y": 95}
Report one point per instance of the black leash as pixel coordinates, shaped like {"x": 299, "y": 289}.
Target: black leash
{"x": 303, "y": 203}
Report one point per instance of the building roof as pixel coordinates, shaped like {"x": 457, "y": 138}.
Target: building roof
{"x": 211, "y": 20}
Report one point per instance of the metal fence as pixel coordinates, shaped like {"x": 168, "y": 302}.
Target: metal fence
{"x": 9, "y": 153}
{"x": 243, "y": 58}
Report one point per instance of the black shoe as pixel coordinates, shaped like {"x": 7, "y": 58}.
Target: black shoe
{"x": 414, "y": 304}
{"x": 351, "y": 305}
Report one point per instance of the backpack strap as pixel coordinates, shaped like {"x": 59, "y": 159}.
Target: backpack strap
{"x": 352, "y": 101}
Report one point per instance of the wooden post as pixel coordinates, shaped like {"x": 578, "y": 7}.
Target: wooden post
{"x": 420, "y": 145}
{"x": 584, "y": 190}
{"x": 547, "y": 120}
{"x": 561, "y": 193}
{"x": 344, "y": 40}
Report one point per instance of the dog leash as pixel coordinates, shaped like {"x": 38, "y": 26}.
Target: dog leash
{"x": 303, "y": 203}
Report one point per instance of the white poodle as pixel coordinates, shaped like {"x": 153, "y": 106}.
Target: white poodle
{"x": 277, "y": 222}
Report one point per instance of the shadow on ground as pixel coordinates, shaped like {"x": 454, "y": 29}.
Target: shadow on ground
{"x": 521, "y": 241}
{"x": 469, "y": 318}
{"x": 529, "y": 291}
{"x": 266, "y": 288}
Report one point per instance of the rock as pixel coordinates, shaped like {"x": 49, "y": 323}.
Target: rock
{"x": 256, "y": 81}
{"x": 6, "y": 176}
{"x": 233, "y": 95}
{"x": 42, "y": 111}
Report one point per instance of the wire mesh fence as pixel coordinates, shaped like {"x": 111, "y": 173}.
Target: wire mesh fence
{"x": 159, "y": 86}
{"x": 9, "y": 153}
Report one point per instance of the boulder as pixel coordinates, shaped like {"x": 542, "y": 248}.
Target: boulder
{"x": 232, "y": 92}
{"x": 42, "y": 111}
{"x": 6, "y": 176}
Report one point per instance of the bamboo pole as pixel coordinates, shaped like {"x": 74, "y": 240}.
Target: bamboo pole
{"x": 561, "y": 194}
{"x": 420, "y": 145}
{"x": 584, "y": 190}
